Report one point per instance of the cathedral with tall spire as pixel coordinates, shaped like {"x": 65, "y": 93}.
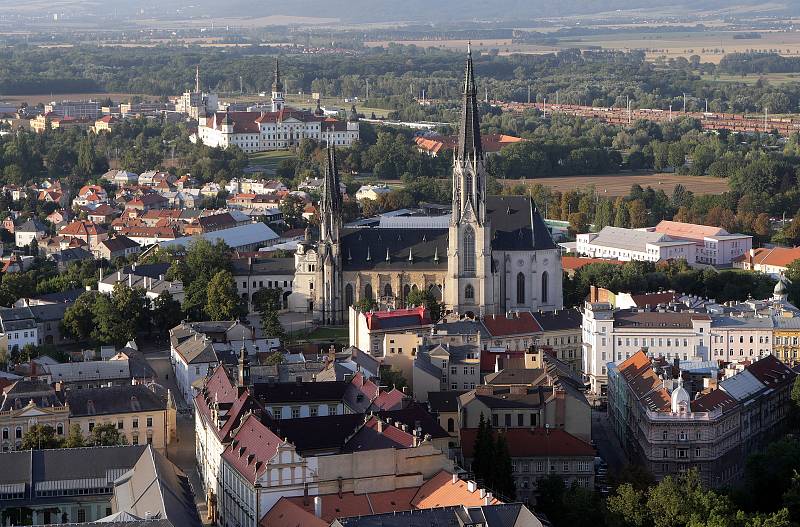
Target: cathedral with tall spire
{"x": 277, "y": 89}
{"x": 491, "y": 255}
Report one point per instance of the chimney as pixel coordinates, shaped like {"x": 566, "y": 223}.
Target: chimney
{"x": 130, "y": 279}
{"x": 455, "y": 479}
{"x": 487, "y": 500}
{"x": 119, "y": 276}
{"x": 380, "y": 426}
{"x": 483, "y": 494}
{"x": 471, "y": 486}
{"x": 497, "y": 363}
{"x": 318, "y": 506}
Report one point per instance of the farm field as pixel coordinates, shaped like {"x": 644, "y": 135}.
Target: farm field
{"x": 711, "y": 46}
{"x": 44, "y": 99}
{"x": 613, "y": 185}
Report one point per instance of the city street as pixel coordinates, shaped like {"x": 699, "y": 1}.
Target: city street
{"x": 606, "y": 442}
{"x": 180, "y": 451}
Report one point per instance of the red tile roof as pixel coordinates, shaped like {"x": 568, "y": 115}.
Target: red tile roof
{"x": 442, "y": 491}
{"x": 644, "y": 383}
{"x": 776, "y": 257}
{"x": 521, "y": 323}
{"x": 533, "y": 442}
{"x": 252, "y": 448}
{"x": 82, "y": 228}
{"x": 574, "y": 262}
{"x": 416, "y": 316}
{"x": 771, "y": 371}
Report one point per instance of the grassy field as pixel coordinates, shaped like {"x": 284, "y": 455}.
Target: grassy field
{"x": 613, "y": 185}
{"x": 268, "y": 161}
{"x": 772, "y": 78}
{"x": 324, "y": 334}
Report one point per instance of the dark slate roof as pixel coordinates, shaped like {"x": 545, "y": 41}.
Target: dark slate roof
{"x": 559, "y": 320}
{"x": 312, "y": 434}
{"x": 446, "y": 401}
{"x": 49, "y": 312}
{"x": 517, "y": 225}
{"x": 502, "y": 515}
{"x": 32, "y": 225}
{"x": 423, "y": 244}
{"x": 416, "y": 415}
{"x": 149, "y": 270}
{"x": 298, "y": 392}
{"x": 17, "y": 318}
{"x": 76, "y": 254}
{"x": 114, "y": 400}
{"x": 19, "y": 394}
{"x": 266, "y": 266}
{"x": 62, "y": 297}
{"x": 119, "y": 243}
{"x": 61, "y": 464}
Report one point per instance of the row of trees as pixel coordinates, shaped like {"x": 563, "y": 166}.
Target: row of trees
{"x": 40, "y": 437}
{"x": 642, "y": 277}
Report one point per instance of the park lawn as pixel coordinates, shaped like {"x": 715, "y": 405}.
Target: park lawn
{"x": 322, "y": 334}
{"x": 269, "y": 160}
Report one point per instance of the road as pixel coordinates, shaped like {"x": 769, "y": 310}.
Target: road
{"x": 607, "y": 443}
{"x": 180, "y": 451}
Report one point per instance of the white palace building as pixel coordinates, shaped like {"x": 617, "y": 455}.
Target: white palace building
{"x": 281, "y": 128}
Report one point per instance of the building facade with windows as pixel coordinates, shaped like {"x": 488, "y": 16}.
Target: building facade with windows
{"x": 140, "y": 414}
{"x": 670, "y": 425}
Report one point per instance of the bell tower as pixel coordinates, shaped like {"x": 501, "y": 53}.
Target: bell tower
{"x": 277, "y": 90}
{"x": 469, "y": 248}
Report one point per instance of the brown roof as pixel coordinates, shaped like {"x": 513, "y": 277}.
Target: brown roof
{"x": 713, "y": 400}
{"x": 575, "y": 262}
{"x": 287, "y": 513}
{"x": 654, "y": 319}
{"x": 533, "y": 442}
{"x": 252, "y": 448}
{"x": 771, "y": 371}
{"x": 519, "y": 324}
{"x": 654, "y": 299}
{"x": 644, "y": 383}
{"x": 441, "y": 491}
{"x": 777, "y": 256}
{"x": 82, "y": 228}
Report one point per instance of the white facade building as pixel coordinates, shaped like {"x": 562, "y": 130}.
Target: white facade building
{"x": 634, "y": 245}
{"x": 616, "y": 335}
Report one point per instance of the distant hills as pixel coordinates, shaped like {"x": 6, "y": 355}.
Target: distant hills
{"x": 353, "y": 11}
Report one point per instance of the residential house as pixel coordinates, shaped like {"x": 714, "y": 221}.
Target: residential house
{"x": 118, "y": 247}
{"x": 668, "y": 422}
{"x": 773, "y": 261}
{"x": 32, "y": 229}
{"x": 446, "y": 367}
{"x": 86, "y": 231}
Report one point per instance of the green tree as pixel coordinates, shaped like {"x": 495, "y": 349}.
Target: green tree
{"x": 292, "y": 208}
{"x": 502, "y": 481}
{"x": 74, "y": 438}
{"x": 365, "y": 305}
{"x": 418, "y": 297}
{"x": 392, "y": 378}
{"x": 223, "y": 302}
{"x": 78, "y": 321}
{"x": 40, "y": 437}
{"x": 166, "y": 313}
{"x": 267, "y": 302}
{"x": 131, "y": 307}
{"x": 106, "y": 434}
{"x": 483, "y": 458}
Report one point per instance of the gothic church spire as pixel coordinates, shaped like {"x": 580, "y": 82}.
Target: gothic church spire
{"x": 469, "y": 138}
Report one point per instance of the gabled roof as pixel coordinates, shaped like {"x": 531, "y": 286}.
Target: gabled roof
{"x": 399, "y": 318}
{"x": 517, "y": 224}
{"x": 771, "y": 372}
{"x": 119, "y": 243}
{"x": 644, "y": 383}
{"x": 775, "y": 256}
{"x": 252, "y": 448}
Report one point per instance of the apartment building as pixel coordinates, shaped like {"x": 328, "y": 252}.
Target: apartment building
{"x": 669, "y": 425}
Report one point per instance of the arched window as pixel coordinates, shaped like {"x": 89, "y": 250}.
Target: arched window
{"x": 368, "y": 291}
{"x": 520, "y": 288}
{"x": 348, "y": 295}
{"x": 469, "y": 292}
{"x": 406, "y": 291}
{"x": 387, "y": 290}
{"x": 60, "y": 429}
{"x": 469, "y": 250}
{"x": 544, "y": 287}
{"x": 451, "y": 425}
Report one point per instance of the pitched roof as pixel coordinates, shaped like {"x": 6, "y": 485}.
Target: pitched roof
{"x": 521, "y": 323}
{"x": 688, "y": 231}
{"x": 119, "y": 243}
{"x": 775, "y": 256}
{"x": 559, "y": 320}
{"x": 252, "y": 448}
{"x": 644, "y": 383}
{"x": 771, "y": 371}
{"x": 575, "y": 262}
{"x": 113, "y": 400}
{"x": 82, "y": 228}
{"x": 442, "y": 491}
{"x": 533, "y": 442}
{"x": 399, "y": 318}
{"x": 517, "y": 224}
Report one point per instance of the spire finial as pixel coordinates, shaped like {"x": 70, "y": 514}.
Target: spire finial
{"x": 410, "y": 255}
{"x": 436, "y": 255}
{"x": 469, "y": 47}
{"x": 387, "y": 254}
